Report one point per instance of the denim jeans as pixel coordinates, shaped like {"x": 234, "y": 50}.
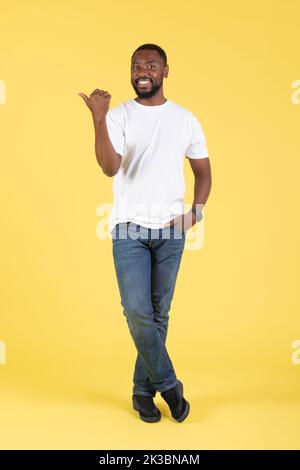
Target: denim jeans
{"x": 146, "y": 263}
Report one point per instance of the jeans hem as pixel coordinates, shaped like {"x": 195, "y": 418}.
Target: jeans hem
{"x": 147, "y": 394}
{"x": 168, "y": 388}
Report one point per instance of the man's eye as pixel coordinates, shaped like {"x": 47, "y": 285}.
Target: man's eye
{"x": 134, "y": 67}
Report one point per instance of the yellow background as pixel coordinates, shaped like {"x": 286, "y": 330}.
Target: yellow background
{"x": 68, "y": 378}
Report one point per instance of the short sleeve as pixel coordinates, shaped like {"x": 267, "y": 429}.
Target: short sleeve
{"x": 115, "y": 131}
{"x": 197, "y": 147}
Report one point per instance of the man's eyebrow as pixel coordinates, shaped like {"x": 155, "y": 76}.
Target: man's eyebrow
{"x": 147, "y": 61}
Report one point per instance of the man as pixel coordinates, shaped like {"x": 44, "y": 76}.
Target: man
{"x": 142, "y": 143}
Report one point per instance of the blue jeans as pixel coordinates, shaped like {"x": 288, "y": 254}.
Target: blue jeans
{"x": 146, "y": 263}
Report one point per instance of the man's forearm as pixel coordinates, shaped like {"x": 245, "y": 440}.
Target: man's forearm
{"x": 106, "y": 155}
{"x": 202, "y": 188}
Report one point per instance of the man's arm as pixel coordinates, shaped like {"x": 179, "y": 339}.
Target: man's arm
{"x": 202, "y": 172}
{"x": 203, "y": 181}
{"x": 108, "y": 159}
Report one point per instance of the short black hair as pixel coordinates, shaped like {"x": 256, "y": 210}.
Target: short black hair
{"x": 153, "y": 47}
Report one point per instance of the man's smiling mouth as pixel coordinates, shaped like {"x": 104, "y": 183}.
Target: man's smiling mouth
{"x": 143, "y": 81}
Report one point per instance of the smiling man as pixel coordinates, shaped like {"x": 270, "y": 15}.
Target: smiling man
{"x": 142, "y": 144}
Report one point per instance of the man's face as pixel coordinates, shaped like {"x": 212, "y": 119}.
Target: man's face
{"x": 147, "y": 64}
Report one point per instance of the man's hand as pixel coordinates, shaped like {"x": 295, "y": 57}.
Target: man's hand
{"x": 183, "y": 222}
{"x": 98, "y": 103}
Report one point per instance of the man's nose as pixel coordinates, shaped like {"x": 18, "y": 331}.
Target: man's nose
{"x": 143, "y": 75}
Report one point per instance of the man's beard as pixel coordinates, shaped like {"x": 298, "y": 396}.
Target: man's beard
{"x": 146, "y": 93}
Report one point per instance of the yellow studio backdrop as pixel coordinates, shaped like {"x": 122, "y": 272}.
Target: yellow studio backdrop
{"x": 67, "y": 357}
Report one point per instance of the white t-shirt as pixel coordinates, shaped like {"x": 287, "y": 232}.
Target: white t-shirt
{"x": 152, "y": 142}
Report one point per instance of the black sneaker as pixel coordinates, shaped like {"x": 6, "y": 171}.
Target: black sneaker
{"x": 145, "y": 406}
{"x": 178, "y": 405}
